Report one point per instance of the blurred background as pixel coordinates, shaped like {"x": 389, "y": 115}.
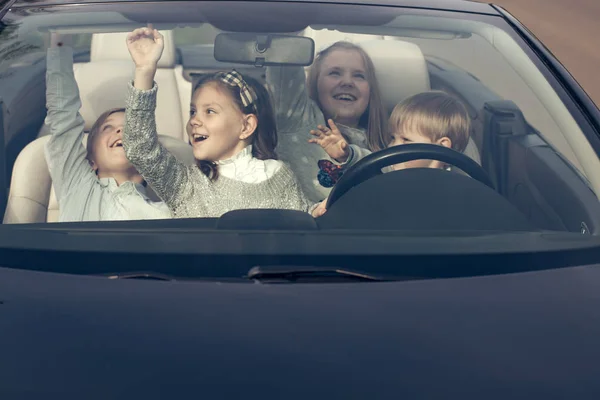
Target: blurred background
{"x": 570, "y": 29}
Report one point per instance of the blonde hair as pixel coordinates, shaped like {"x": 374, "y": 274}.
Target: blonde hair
{"x": 374, "y": 118}
{"x": 434, "y": 114}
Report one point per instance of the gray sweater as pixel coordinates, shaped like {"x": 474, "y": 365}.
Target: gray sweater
{"x": 185, "y": 189}
{"x": 296, "y": 115}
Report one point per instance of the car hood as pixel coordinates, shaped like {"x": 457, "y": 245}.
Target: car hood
{"x": 532, "y": 335}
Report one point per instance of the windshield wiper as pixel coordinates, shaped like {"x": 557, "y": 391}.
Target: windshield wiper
{"x": 140, "y": 275}
{"x": 295, "y": 274}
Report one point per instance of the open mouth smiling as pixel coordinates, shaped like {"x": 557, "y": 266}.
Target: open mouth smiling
{"x": 196, "y": 137}
{"x": 345, "y": 97}
{"x": 117, "y": 143}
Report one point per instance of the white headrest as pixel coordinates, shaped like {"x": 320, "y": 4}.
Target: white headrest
{"x": 400, "y": 67}
{"x": 112, "y": 47}
{"x": 102, "y": 86}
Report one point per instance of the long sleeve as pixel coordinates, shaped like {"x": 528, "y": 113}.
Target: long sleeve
{"x": 293, "y": 196}
{"x": 293, "y": 107}
{"x": 357, "y": 139}
{"x": 65, "y": 153}
{"x": 296, "y": 115}
{"x": 169, "y": 178}
{"x": 357, "y": 153}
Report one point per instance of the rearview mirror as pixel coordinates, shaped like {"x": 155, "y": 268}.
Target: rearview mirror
{"x": 264, "y": 49}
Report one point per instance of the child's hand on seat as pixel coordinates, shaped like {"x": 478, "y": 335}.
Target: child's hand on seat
{"x": 332, "y": 141}
{"x": 145, "y": 46}
{"x": 320, "y": 209}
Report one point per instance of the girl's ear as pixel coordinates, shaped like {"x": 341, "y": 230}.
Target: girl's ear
{"x": 249, "y": 124}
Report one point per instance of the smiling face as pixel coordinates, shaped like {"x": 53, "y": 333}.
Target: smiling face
{"x": 105, "y": 146}
{"x": 342, "y": 86}
{"x": 217, "y": 128}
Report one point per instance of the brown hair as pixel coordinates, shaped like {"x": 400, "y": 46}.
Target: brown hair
{"x": 96, "y": 129}
{"x": 264, "y": 138}
{"x": 434, "y": 114}
{"x": 374, "y": 118}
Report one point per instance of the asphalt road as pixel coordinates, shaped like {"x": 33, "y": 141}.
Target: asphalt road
{"x": 570, "y": 29}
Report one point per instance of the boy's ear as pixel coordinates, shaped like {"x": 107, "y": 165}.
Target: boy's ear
{"x": 445, "y": 141}
{"x": 93, "y": 165}
{"x": 249, "y": 124}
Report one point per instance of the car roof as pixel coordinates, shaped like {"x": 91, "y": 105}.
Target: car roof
{"x": 453, "y": 5}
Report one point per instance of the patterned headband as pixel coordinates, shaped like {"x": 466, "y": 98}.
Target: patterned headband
{"x": 247, "y": 94}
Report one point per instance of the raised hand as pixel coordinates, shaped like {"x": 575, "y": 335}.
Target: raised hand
{"x": 332, "y": 141}
{"x": 145, "y": 46}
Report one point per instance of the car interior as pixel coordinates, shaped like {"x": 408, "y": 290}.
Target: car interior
{"x": 525, "y": 171}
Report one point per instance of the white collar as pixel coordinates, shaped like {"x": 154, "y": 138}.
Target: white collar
{"x": 243, "y": 156}
{"x": 245, "y": 167}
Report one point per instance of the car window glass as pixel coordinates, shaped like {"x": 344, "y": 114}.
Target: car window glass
{"x": 475, "y": 59}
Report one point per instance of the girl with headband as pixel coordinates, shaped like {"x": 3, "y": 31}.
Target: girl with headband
{"x": 232, "y": 133}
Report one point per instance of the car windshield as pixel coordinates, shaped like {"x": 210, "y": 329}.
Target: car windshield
{"x": 289, "y": 116}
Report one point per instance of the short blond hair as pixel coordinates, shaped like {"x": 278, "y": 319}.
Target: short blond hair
{"x": 434, "y": 114}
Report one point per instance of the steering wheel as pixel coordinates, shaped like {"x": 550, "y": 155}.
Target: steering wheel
{"x": 371, "y": 165}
